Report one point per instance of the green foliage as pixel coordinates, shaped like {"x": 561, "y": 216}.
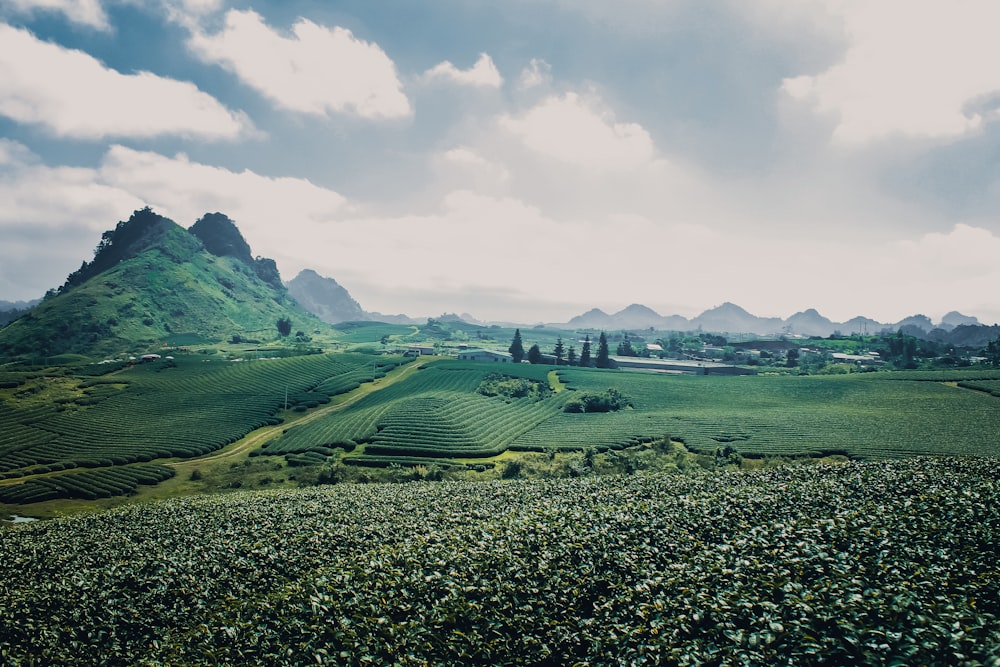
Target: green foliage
{"x": 534, "y": 354}
{"x": 785, "y": 566}
{"x": 516, "y": 348}
{"x": 87, "y": 485}
{"x": 497, "y": 384}
{"x": 603, "y": 359}
{"x": 610, "y": 400}
{"x": 559, "y": 351}
{"x": 585, "y": 360}
{"x": 284, "y": 326}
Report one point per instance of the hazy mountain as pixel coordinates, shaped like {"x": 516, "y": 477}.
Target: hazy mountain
{"x": 595, "y": 318}
{"x": 956, "y": 319}
{"x": 920, "y": 322}
{"x": 637, "y": 316}
{"x": 730, "y": 318}
{"x": 11, "y": 310}
{"x": 733, "y": 319}
{"x": 325, "y": 298}
{"x": 152, "y": 282}
{"x": 809, "y": 323}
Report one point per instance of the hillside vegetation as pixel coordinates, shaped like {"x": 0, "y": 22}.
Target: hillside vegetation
{"x": 153, "y": 283}
{"x": 866, "y": 563}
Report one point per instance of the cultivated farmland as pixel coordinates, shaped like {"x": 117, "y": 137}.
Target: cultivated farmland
{"x": 889, "y": 562}
{"x": 439, "y": 414}
{"x": 54, "y": 423}
{"x": 165, "y": 409}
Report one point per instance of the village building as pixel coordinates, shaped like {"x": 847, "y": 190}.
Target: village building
{"x": 490, "y": 356}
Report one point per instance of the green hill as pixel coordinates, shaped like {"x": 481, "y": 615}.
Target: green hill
{"x": 152, "y": 282}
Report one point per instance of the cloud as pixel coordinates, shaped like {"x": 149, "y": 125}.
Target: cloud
{"x": 483, "y": 74}
{"x": 574, "y": 129}
{"x": 74, "y": 95}
{"x": 316, "y": 70}
{"x": 912, "y": 68}
{"x": 84, "y": 12}
{"x": 50, "y": 218}
{"x": 537, "y": 73}
{"x": 278, "y": 215}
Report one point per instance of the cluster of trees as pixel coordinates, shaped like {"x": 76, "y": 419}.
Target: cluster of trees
{"x": 562, "y": 355}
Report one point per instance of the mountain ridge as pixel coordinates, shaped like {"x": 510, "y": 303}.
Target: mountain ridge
{"x": 153, "y": 283}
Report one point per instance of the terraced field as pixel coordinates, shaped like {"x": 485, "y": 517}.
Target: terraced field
{"x": 183, "y": 408}
{"x": 190, "y": 407}
{"x": 439, "y": 414}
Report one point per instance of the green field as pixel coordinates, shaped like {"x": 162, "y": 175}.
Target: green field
{"x": 85, "y": 419}
{"x": 886, "y": 415}
{"x": 890, "y": 562}
{"x": 183, "y": 408}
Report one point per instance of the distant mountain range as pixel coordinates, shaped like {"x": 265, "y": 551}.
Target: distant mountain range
{"x": 732, "y": 319}
{"x": 152, "y": 282}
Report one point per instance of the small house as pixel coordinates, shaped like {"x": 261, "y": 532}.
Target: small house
{"x": 489, "y": 356}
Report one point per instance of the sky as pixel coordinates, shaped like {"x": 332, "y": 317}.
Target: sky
{"x": 523, "y": 160}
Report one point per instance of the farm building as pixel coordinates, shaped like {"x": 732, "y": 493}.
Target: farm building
{"x": 417, "y": 350}
{"x": 486, "y": 355}
{"x": 681, "y": 366}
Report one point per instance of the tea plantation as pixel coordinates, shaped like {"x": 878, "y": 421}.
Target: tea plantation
{"x": 439, "y": 413}
{"x": 889, "y": 563}
{"x": 62, "y": 430}
{"x": 122, "y": 417}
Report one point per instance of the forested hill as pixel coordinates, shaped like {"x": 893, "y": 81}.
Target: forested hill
{"x": 150, "y": 283}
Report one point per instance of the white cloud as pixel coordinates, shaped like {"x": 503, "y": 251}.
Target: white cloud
{"x": 484, "y": 73}
{"x": 85, "y": 12}
{"x": 316, "y": 70}
{"x": 537, "y": 73}
{"x": 278, "y": 216}
{"x": 74, "y": 95}
{"x": 573, "y": 129}
{"x": 464, "y": 167}
{"x": 912, "y": 68}
{"x": 36, "y": 195}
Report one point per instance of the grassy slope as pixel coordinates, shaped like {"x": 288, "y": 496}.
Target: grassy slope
{"x": 173, "y": 293}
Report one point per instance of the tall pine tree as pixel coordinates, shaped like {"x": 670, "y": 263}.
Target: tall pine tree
{"x": 559, "y": 351}
{"x": 585, "y": 352}
{"x": 516, "y": 348}
{"x": 603, "y": 358}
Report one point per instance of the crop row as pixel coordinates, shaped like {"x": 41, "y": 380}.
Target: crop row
{"x": 438, "y": 413}
{"x": 866, "y": 563}
{"x": 87, "y": 485}
{"x": 185, "y": 409}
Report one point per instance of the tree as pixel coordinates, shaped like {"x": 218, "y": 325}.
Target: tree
{"x": 559, "y": 351}
{"x": 625, "y": 347}
{"x": 603, "y": 358}
{"x": 534, "y": 354}
{"x": 585, "y": 352}
{"x": 284, "y": 326}
{"x": 993, "y": 352}
{"x": 516, "y": 348}
{"x": 792, "y": 358}
{"x": 571, "y": 356}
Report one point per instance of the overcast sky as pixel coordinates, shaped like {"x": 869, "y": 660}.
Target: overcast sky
{"x": 523, "y": 160}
